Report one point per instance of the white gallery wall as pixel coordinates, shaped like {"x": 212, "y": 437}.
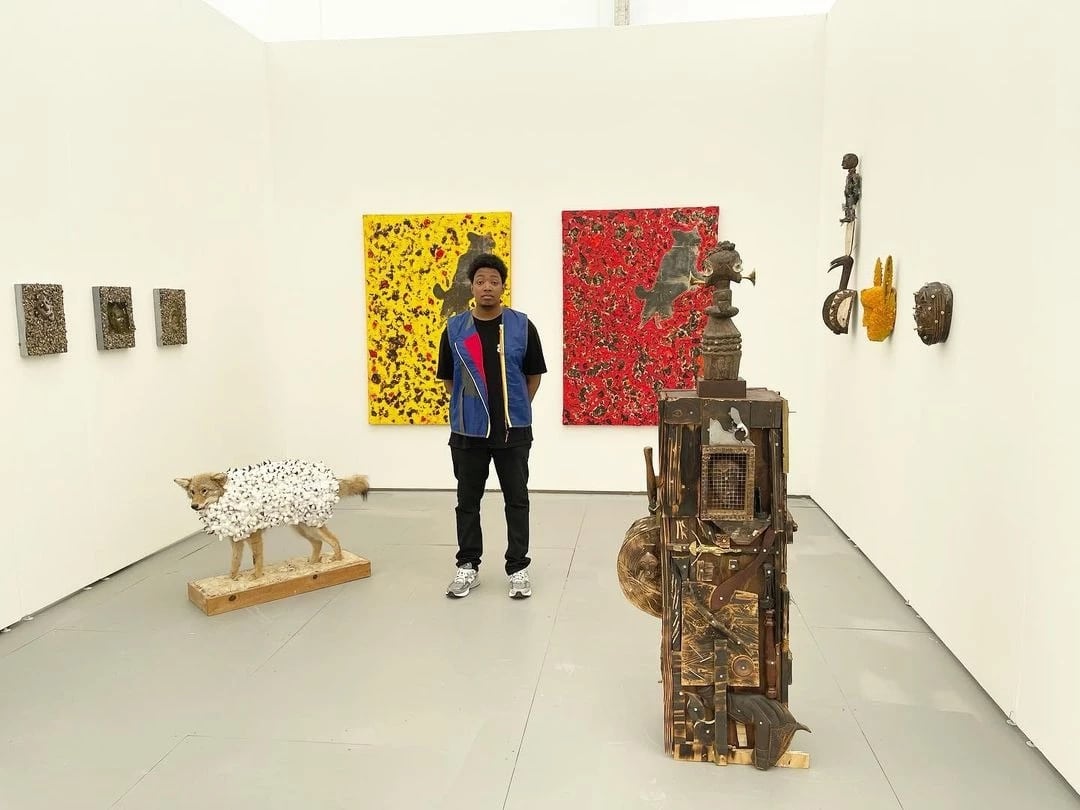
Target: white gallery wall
{"x": 296, "y": 20}
{"x": 952, "y": 466}
{"x": 725, "y": 114}
{"x": 153, "y": 143}
{"x": 133, "y": 153}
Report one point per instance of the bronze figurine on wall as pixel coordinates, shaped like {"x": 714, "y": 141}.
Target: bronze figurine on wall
{"x": 838, "y": 307}
{"x": 852, "y": 187}
{"x": 710, "y": 559}
{"x": 933, "y": 312}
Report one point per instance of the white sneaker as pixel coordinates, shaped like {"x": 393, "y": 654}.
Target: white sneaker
{"x": 520, "y": 587}
{"x": 464, "y": 581}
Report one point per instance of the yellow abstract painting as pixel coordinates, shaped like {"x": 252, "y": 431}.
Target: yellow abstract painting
{"x": 415, "y": 270}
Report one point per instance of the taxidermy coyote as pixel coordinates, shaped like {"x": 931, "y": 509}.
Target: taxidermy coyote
{"x": 243, "y": 502}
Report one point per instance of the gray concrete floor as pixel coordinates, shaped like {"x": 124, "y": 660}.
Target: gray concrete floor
{"x": 383, "y": 693}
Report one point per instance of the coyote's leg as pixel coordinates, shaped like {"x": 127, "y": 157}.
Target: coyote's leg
{"x": 256, "y": 543}
{"x": 237, "y": 553}
{"x": 314, "y": 539}
{"x": 331, "y": 538}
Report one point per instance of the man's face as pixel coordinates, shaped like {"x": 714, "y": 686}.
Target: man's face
{"x": 487, "y": 287}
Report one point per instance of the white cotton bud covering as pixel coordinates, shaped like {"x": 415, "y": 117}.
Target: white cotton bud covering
{"x": 273, "y": 493}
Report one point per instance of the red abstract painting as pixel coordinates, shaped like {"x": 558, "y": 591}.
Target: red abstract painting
{"x": 631, "y": 319}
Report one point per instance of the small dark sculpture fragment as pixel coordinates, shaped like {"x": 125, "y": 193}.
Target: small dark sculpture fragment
{"x": 456, "y": 297}
{"x": 852, "y": 187}
{"x": 933, "y": 312}
{"x": 673, "y": 277}
{"x": 170, "y": 316}
{"x": 114, "y": 320}
{"x": 39, "y": 309}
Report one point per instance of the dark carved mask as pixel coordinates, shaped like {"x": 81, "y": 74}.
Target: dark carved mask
{"x": 933, "y": 312}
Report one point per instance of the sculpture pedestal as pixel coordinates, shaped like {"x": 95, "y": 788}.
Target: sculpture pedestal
{"x": 280, "y": 580}
{"x": 730, "y": 389}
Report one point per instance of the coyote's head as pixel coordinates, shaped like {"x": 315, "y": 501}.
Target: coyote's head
{"x": 203, "y": 489}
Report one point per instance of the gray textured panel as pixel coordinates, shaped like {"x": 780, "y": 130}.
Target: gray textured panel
{"x": 170, "y": 317}
{"x": 39, "y": 309}
{"x": 114, "y": 318}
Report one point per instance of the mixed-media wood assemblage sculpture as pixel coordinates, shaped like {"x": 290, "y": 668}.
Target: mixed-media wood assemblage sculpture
{"x": 836, "y": 311}
{"x": 242, "y": 503}
{"x": 710, "y": 560}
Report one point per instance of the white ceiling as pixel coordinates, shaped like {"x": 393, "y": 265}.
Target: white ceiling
{"x": 284, "y": 20}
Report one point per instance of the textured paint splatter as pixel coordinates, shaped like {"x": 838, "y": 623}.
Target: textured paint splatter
{"x": 631, "y": 320}
{"x": 414, "y": 268}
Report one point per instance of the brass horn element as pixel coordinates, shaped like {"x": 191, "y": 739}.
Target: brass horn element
{"x": 752, "y": 278}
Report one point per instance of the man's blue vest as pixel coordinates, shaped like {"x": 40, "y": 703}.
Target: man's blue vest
{"x": 469, "y": 395}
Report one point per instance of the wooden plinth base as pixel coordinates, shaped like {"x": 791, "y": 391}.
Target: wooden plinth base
{"x": 745, "y": 756}
{"x": 280, "y": 580}
{"x": 722, "y": 389}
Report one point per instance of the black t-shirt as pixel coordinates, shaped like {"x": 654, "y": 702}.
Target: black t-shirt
{"x": 532, "y": 363}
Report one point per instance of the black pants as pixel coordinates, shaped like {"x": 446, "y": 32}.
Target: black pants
{"x": 471, "y": 467}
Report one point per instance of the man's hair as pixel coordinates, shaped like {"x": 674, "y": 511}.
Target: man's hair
{"x": 489, "y": 260}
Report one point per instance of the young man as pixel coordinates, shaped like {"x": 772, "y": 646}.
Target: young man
{"x": 490, "y": 360}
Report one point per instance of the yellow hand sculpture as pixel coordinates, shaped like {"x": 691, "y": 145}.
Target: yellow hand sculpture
{"x": 879, "y": 303}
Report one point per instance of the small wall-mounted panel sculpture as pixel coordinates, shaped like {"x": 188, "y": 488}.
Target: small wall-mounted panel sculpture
{"x": 114, "y": 318}
{"x": 933, "y": 312}
{"x": 170, "y": 317}
{"x": 837, "y": 309}
{"x": 39, "y": 309}
{"x": 710, "y": 559}
{"x": 879, "y": 303}
{"x": 242, "y": 503}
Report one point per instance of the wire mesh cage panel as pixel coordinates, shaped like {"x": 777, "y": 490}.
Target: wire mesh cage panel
{"x": 727, "y": 482}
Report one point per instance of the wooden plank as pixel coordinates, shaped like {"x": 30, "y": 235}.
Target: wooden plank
{"x": 685, "y": 411}
{"x": 789, "y": 759}
{"x": 721, "y": 661}
{"x": 722, "y": 388}
{"x": 784, "y": 422}
{"x": 767, "y": 414}
{"x": 215, "y": 595}
{"x": 696, "y": 652}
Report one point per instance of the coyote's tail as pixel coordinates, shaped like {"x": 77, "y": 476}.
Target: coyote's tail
{"x": 353, "y": 485}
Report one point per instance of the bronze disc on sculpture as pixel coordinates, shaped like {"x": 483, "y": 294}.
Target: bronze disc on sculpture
{"x": 638, "y": 566}
{"x": 742, "y": 666}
